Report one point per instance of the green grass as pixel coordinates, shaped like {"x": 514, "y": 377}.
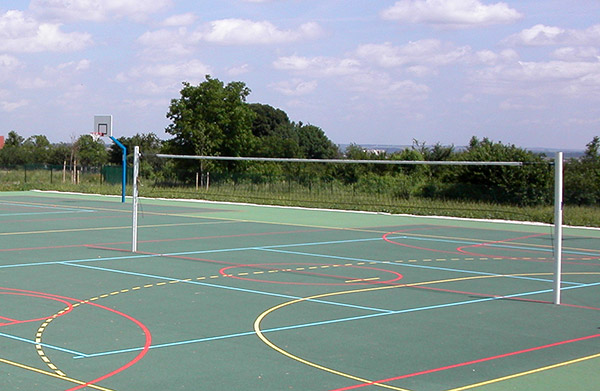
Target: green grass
{"x": 331, "y": 196}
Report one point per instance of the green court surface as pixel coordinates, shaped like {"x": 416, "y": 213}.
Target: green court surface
{"x": 239, "y": 297}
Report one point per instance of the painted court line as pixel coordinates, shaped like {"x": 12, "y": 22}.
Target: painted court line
{"x": 412, "y": 265}
{"x": 53, "y": 347}
{"x": 60, "y": 208}
{"x": 312, "y": 324}
{"x": 244, "y": 290}
{"x": 327, "y": 322}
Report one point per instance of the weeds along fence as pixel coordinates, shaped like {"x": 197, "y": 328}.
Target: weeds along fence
{"x": 47, "y": 174}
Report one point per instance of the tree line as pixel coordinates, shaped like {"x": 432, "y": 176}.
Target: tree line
{"x": 214, "y": 119}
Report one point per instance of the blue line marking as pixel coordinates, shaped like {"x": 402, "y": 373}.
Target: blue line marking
{"x": 332, "y": 321}
{"x": 244, "y": 290}
{"x": 53, "y": 347}
{"x": 497, "y": 245}
{"x": 412, "y": 265}
{"x": 48, "y": 207}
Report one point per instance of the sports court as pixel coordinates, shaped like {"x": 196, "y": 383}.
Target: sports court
{"x": 241, "y": 297}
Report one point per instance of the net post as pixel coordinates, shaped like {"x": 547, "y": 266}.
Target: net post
{"x": 134, "y": 223}
{"x": 558, "y": 217}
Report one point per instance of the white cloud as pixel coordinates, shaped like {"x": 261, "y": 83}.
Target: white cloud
{"x": 248, "y": 32}
{"x": 318, "y": 66}
{"x": 541, "y": 35}
{"x": 19, "y": 33}
{"x": 295, "y": 87}
{"x": 238, "y": 70}
{"x": 174, "y": 42}
{"x": 421, "y": 54}
{"x": 60, "y": 75}
{"x": 97, "y": 10}
{"x": 577, "y": 54}
{"x": 386, "y": 88}
{"x": 8, "y": 64}
{"x": 451, "y": 13}
{"x": 8, "y": 106}
{"x": 576, "y": 79}
{"x": 157, "y": 79}
{"x": 180, "y": 20}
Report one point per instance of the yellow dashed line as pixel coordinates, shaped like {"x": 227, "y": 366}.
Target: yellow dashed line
{"x": 363, "y": 280}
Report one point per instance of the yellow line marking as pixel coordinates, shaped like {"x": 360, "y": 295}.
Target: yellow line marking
{"x": 516, "y": 375}
{"x": 54, "y": 375}
{"x": 363, "y": 279}
{"x": 259, "y": 319}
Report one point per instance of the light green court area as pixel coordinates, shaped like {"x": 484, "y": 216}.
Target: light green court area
{"x": 241, "y": 297}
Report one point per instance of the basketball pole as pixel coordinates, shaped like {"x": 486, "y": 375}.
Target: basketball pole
{"x": 558, "y": 220}
{"x": 136, "y": 172}
{"x": 124, "y": 173}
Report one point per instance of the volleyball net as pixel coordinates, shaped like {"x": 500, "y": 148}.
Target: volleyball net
{"x": 472, "y": 189}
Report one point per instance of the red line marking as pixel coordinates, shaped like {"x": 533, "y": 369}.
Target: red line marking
{"x": 147, "y": 343}
{"x": 38, "y": 295}
{"x": 385, "y": 237}
{"x": 146, "y": 331}
{"x": 101, "y": 245}
{"x": 481, "y": 360}
{"x": 461, "y": 249}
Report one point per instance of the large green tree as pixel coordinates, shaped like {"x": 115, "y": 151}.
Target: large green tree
{"x": 529, "y": 184}
{"x": 582, "y": 176}
{"x": 37, "y": 149}
{"x": 12, "y": 154}
{"x": 90, "y": 152}
{"x": 276, "y": 134}
{"x": 211, "y": 119}
{"x": 314, "y": 144}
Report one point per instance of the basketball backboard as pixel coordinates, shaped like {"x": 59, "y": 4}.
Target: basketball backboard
{"x": 103, "y": 125}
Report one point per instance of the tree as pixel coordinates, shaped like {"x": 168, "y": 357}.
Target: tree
{"x": 582, "y": 176}
{"x": 529, "y": 184}
{"x": 60, "y": 153}
{"x": 12, "y": 153}
{"x": 276, "y": 135}
{"x": 314, "y": 144}
{"x": 91, "y": 152}
{"x": 150, "y": 144}
{"x": 36, "y": 149}
{"x": 211, "y": 119}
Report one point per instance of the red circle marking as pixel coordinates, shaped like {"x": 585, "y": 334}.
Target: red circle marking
{"x": 147, "y": 334}
{"x": 41, "y": 296}
{"x": 385, "y": 237}
{"x": 355, "y": 281}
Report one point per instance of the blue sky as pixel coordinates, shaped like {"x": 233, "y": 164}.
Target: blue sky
{"x": 368, "y": 72}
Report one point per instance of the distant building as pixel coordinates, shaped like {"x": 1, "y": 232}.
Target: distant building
{"x": 1, "y": 142}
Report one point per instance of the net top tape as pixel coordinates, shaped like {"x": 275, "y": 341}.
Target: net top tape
{"x": 340, "y": 161}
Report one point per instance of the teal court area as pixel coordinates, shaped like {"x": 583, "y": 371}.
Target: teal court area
{"x": 240, "y": 297}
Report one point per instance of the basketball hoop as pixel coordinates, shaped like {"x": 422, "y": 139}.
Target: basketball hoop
{"x": 97, "y": 136}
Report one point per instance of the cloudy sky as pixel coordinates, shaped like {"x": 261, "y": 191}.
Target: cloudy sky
{"x": 524, "y": 72}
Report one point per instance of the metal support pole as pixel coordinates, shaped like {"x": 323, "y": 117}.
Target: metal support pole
{"x": 124, "y": 179}
{"x": 136, "y": 171}
{"x": 558, "y": 217}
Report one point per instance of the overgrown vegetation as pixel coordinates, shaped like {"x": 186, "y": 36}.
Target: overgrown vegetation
{"x": 214, "y": 119}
